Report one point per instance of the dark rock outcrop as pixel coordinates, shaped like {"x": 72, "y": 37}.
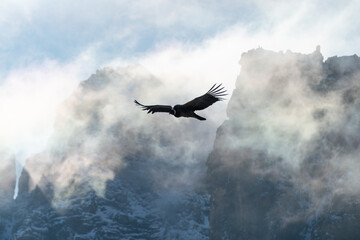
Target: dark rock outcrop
{"x": 112, "y": 172}
{"x": 285, "y": 165}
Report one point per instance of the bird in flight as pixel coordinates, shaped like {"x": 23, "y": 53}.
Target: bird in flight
{"x": 188, "y": 109}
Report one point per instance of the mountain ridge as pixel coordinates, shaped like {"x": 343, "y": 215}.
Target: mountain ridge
{"x": 283, "y": 163}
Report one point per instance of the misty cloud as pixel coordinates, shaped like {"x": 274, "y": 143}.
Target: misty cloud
{"x": 290, "y": 146}
{"x": 99, "y": 132}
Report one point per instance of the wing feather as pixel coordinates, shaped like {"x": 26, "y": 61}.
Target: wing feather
{"x": 154, "y": 108}
{"x": 213, "y": 95}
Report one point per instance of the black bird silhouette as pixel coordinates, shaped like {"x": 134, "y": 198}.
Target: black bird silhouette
{"x": 188, "y": 109}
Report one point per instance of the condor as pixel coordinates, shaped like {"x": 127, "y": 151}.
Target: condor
{"x": 188, "y": 109}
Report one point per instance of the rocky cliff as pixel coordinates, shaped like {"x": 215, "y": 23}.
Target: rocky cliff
{"x": 110, "y": 171}
{"x": 285, "y": 164}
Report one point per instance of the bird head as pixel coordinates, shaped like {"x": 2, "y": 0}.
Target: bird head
{"x": 173, "y": 110}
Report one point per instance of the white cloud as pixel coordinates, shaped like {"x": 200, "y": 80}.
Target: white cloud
{"x": 30, "y": 95}
{"x": 185, "y": 65}
{"x": 29, "y": 98}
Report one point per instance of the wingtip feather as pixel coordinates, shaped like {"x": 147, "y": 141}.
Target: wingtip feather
{"x": 212, "y": 87}
{"x": 218, "y": 91}
{"x": 216, "y": 88}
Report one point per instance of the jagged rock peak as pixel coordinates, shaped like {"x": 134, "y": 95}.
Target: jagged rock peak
{"x": 279, "y": 163}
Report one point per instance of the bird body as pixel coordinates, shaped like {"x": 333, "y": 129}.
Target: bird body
{"x": 181, "y": 111}
{"x": 188, "y": 109}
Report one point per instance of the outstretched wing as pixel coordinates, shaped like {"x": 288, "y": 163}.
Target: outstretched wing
{"x": 154, "y": 108}
{"x": 213, "y": 95}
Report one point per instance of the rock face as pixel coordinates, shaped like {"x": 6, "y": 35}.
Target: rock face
{"x": 285, "y": 164}
{"x": 110, "y": 171}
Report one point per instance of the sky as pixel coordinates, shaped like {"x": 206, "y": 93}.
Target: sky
{"x": 48, "y": 47}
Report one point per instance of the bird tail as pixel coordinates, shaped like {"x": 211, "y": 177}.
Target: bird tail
{"x": 199, "y": 117}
